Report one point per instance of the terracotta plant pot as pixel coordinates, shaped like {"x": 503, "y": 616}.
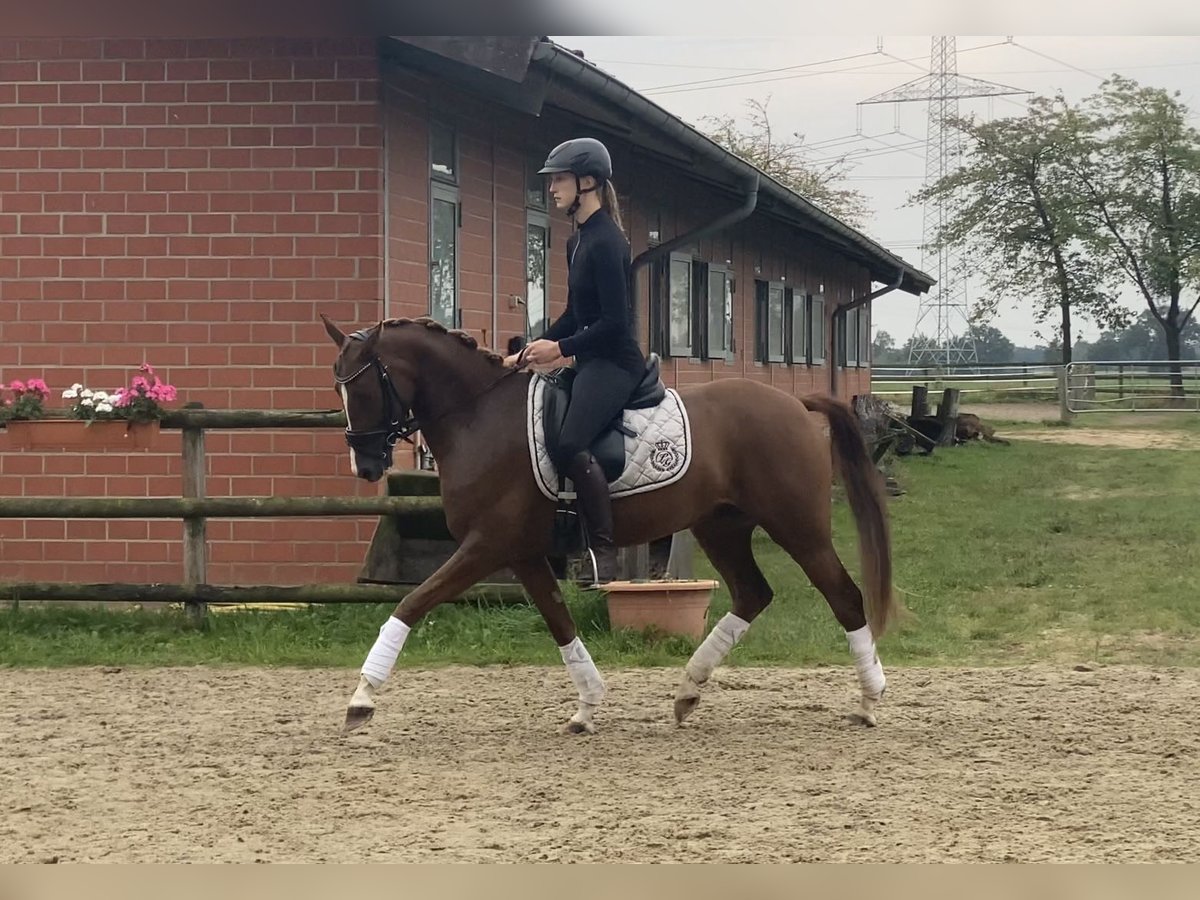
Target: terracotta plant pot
{"x": 670, "y": 606}
{"x": 77, "y": 434}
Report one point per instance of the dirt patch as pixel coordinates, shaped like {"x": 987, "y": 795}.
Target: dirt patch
{"x": 462, "y": 764}
{"x": 1096, "y": 437}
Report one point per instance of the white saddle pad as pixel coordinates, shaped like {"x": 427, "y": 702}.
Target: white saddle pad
{"x": 658, "y": 455}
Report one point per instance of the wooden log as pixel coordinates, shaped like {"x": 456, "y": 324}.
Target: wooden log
{"x": 212, "y": 593}
{"x": 213, "y": 507}
{"x": 414, "y": 483}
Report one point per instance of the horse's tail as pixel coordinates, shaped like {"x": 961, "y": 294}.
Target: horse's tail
{"x": 865, "y": 492}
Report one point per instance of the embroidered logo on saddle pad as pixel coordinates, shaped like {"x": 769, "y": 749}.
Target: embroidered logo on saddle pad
{"x": 657, "y": 443}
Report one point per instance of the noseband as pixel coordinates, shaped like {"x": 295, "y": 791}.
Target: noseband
{"x": 397, "y": 423}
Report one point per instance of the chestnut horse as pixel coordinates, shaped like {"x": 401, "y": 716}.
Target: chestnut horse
{"x": 760, "y": 458}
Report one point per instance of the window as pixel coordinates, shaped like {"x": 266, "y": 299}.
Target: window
{"x": 770, "y": 301}
{"x": 864, "y": 335}
{"x": 775, "y": 322}
{"x": 691, "y": 308}
{"x": 798, "y": 349}
{"x": 443, "y": 153}
{"x": 445, "y": 216}
{"x": 443, "y": 255}
{"x": 535, "y": 188}
{"x": 537, "y": 232}
{"x": 680, "y": 313}
{"x": 848, "y": 338}
{"x": 816, "y": 321}
{"x": 719, "y": 321}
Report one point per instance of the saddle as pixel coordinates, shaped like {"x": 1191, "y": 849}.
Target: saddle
{"x": 609, "y": 446}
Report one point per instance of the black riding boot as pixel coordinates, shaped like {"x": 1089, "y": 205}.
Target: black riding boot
{"x": 595, "y": 504}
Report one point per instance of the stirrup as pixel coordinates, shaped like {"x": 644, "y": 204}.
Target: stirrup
{"x": 595, "y": 583}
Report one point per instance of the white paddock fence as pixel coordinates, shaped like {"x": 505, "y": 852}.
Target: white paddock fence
{"x": 1081, "y": 387}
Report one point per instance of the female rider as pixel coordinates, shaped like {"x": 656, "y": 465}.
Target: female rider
{"x": 595, "y": 330}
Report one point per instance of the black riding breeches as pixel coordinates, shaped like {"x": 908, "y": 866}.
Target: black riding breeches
{"x": 598, "y": 394}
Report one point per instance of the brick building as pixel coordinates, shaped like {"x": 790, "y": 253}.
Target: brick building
{"x": 195, "y": 203}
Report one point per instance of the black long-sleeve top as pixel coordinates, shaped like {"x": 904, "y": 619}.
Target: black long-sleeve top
{"x": 596, "y": 322}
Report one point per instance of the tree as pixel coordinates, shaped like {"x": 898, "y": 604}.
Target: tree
{"x": 787, "y": 162}
{"x": 1013, "y": 207}
{"x": 1141, "y": 174}
{"x": 991, "y": 345}
{"x": 1145, "y": 339}
{"x": 883, "y": 347}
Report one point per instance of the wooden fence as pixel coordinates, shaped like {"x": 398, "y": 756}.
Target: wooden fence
{"x": 412, "y": 516}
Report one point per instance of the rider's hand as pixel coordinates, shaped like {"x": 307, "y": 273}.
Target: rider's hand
{"x": 510, "y": 362}
{"x": 543, "y": 353}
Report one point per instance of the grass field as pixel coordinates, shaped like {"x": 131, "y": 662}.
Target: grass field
{"x": 1026, "y": 553}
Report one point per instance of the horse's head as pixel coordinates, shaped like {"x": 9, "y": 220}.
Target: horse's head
{"x": 377, "y": 399}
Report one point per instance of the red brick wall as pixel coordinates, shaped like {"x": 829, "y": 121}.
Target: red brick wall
{"x": 193, "y": 204}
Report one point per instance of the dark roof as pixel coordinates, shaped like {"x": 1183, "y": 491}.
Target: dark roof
{"x": 530, "y": 73}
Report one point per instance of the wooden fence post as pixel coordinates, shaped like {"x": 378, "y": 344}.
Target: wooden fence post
{"x": 947, "y": 414}
{"x": 195, "y": 528}
{"x": 920, "y": 402}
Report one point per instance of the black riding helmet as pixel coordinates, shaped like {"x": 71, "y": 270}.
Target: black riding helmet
{"x": 580, "y": 157}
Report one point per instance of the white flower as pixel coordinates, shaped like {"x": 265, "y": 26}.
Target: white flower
{"x": 86, "y": 401}
{"x": 104, "y": 407}
{"x": 100, "y": 396}
{"x": 85, "y": 393}
{"x": 70, "y": 394}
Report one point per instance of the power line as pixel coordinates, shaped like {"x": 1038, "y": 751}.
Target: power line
{"x": 707, "y": 83}
{"x": 1056, "y": 60}
{"x": 823, "y": 62}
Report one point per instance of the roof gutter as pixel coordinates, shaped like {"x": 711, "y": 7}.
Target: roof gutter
{"x": 561, "y": 62}
{"x": 839, "y": 312}
{"x": 646, "y": 257}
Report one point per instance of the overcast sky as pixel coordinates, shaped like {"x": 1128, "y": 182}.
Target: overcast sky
{"x": 825, "y": 78}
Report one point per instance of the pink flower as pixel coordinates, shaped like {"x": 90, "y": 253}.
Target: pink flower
{"x": 17, "y": 387}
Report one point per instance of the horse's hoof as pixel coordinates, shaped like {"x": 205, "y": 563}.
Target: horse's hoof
{"x": 865, "y": 714}
{"x": 577, "y": 727}
{"x": 357, "y": 717}
{"x": 685, "y": 706}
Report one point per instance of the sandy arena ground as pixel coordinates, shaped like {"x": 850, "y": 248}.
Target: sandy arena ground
{"x": 1029, "y": 764}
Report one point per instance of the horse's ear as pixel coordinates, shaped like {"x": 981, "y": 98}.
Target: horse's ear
{"x": 334, "y": 332}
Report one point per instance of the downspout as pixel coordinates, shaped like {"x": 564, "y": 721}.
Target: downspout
{"x": 839, "y": 312}
{"x": 643, "y": 259}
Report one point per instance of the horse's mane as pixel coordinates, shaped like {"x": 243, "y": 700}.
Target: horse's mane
{"x": 434, "y": 325}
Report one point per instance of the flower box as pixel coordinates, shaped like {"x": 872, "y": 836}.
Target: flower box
{"x": 668, "y": 605}
{"x": 76, "y": 434}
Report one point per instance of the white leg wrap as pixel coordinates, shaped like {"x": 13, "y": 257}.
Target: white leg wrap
{"x": 866, "y": 662}
{"x": 385, "y": 650}
{"x": 583, "y": 673}
{"x": 716, "y": 647}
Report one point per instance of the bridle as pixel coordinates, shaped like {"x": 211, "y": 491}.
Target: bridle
{"x": 398, "y": 422}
